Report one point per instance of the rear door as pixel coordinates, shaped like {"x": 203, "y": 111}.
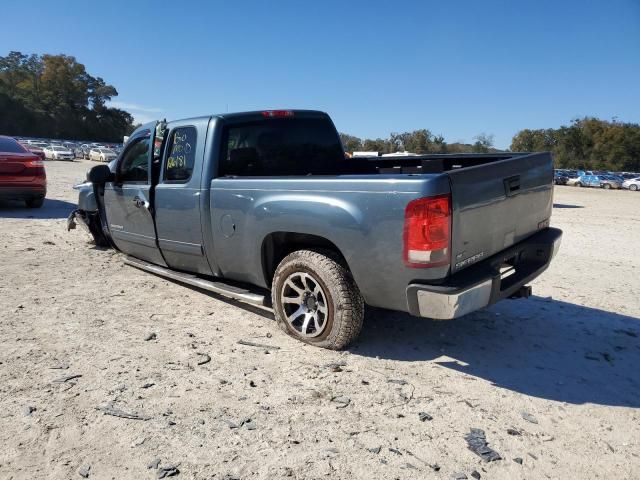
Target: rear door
{"x": 128, "y": 202}
{"x": 178, "y": 196}
{"x": 498, "y": 204}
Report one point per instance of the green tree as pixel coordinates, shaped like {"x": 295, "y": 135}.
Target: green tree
{"x": 588, "y": 143}
{"x": 483, "y": 143}
{"x": 54, "y": 96}
{"x": 350, "y": 143}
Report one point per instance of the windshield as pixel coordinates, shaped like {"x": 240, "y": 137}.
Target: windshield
{"x": 58, "y": 149}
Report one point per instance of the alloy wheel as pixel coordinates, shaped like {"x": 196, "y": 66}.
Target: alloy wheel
{"x": 305, "y": 304}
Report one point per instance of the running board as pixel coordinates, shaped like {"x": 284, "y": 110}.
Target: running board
{"x": 220, "y": 288}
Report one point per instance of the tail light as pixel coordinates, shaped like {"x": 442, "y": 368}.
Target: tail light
{"x": 427, "y": 232}
{"x": 277, "y": 114}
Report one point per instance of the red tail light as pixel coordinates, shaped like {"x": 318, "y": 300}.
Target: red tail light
{"x": 427, "y": 232}
{"x": 277, "y": 114}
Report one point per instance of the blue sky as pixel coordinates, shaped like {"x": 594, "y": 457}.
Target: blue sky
{"x": 458, "y": 68}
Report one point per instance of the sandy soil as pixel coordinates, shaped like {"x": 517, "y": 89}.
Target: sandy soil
{"x": 566, "y": 359}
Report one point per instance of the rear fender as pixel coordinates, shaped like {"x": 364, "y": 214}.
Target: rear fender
{"x": 339, "y": 222}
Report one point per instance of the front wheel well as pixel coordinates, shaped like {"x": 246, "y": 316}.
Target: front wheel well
{"x": 278, "y": 245}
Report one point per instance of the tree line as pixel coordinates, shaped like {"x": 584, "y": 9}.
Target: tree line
{"x": 587, "y": 143}
{"x": 53, "y": 96}
{"x": 419, "y": 141}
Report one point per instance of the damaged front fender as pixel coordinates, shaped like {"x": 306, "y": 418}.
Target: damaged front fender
{"x": 86, "y": 197}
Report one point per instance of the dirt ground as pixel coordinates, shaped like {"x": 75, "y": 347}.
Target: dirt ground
{"x": 553, "y": 381}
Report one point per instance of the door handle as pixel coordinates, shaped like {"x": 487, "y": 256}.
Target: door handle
{"x": 512, "y": 185}
{"x": 139, "y": 202}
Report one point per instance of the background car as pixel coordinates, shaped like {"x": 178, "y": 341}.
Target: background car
{"x": 602, "y": 181}
{"x": 35, "y": 147}
{"x": 630, "y": 176}
{"x": 101, "y": 154}
{"x": 22, "y": 174}
{"x": 560, "y": 178}
{"x": 632, "y": 184}
{"x": 58, "y": 152}
{"x": 610, "y": 181}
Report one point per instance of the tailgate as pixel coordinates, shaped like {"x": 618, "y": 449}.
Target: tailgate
{"x": 498, "y": 204}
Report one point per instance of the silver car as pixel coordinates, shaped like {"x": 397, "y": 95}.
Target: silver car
{"x": 58, "y": 152}
{"x": 101, "y": 154}
{"x": 632, "y": 184}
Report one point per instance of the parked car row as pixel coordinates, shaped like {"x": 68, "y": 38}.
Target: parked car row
{"x": 70, "y": 150}
{"x": 605, "y": 180}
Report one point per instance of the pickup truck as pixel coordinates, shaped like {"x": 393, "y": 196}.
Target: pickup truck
{"x": 266, "y": 208}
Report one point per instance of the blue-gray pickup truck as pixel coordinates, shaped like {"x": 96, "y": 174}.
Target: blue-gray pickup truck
{"x": 266, "y": 208}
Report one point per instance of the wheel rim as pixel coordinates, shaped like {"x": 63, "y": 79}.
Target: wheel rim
{"x": 304, "y": 303}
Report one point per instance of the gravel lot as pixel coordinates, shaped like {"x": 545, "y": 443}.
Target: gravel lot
{"x": 553, "y": 380}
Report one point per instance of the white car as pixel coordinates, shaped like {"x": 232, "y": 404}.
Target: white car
{"x": 58, "y": 152}
{"x": 101, "y": 154}
{"x": 632, "y": 184}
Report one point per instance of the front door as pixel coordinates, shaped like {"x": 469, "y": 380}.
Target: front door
{"x": 128, "y": 202}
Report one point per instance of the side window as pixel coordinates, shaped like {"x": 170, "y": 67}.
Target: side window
{"x": 134, "y": 166}
{"x": 181, "y": 154}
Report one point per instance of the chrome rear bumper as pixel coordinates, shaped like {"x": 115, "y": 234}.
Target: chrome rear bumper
{"x": 483, "y": 284}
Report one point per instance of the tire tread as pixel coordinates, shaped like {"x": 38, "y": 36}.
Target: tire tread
{"x": 348, "y": 303}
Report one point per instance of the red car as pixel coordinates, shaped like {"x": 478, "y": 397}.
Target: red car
{"x": 22, "y": 175}
{"x": 34, "y": 149}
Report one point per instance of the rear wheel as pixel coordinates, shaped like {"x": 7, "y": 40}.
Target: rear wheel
{"x": 606, "y": 186}
{"x": 34, "y": 202}
{"x": 578, "y": 184}
{"x": 633, "y": 187}
{"x": 316, "y": 300}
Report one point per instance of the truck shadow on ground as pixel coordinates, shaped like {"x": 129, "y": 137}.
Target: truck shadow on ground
{"x": 539, "y": 347}
{"x": 566, "y": 205}
{"x": 50, "y": 210}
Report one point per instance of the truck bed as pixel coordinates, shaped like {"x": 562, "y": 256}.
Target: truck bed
{"x": 497, "y": 200}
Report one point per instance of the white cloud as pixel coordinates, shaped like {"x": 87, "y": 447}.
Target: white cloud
{"x": 141, "y": 113}
{"x": 134, "y": 106}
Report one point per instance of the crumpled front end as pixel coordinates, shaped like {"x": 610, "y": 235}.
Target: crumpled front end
{"x": 87, "y": 215}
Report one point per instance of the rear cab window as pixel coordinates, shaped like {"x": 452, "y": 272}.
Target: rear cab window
{"x": 281, "y": 147}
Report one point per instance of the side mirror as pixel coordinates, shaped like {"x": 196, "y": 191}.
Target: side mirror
{"x": 101, "y": 174}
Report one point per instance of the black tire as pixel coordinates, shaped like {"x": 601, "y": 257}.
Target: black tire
{"x": 342, "y": 300}
{"x": 606, "y": 186}
{"x": 633, "y": 188}
{"x": 92, "y": 220}
{"x": 34, "y": 202}
{"x": 578, "y": 184}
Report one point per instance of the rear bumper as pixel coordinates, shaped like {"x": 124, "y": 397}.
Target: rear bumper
{"x": 15, "y": 191}
{"x": 483, "y": 284}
